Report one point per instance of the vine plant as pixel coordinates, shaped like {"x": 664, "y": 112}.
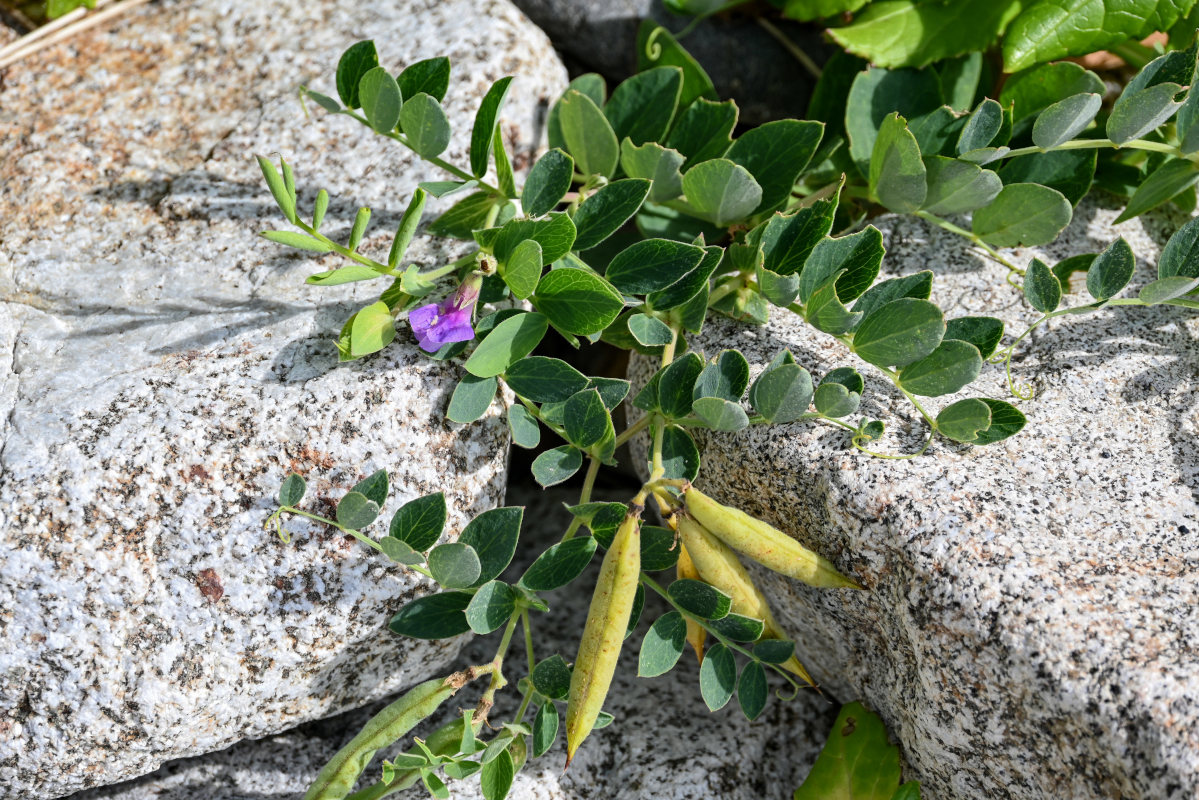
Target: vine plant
{"x": 740, "y": 227}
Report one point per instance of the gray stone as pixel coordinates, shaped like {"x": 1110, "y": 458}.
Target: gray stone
{"x": 162, "y": 368}
{"x": 745, "y": 62}
{"x": 664, "y": 743}
{"x": 1031, "y": 616}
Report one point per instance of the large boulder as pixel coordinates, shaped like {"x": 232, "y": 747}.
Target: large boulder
{"x": 1031, "y": 611}
{"x": 664, "y": 743}
{"x": 162, "y": 368}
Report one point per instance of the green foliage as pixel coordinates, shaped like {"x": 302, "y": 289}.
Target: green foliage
{"x": 857, "y": 762}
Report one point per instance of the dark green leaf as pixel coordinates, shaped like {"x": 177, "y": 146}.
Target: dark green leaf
{"x": 508, "y": 342}
{"x": 739, "y": 628}
{"x": 654, "y": 163}
{"x": 856, "y": 257}
{"x": 495, "y": 781}
{"x": 775, "y": 154}
{"x": 522, "y": 271}
{"x": 1180, "y": 256}
{"x": 587, "y": 419}
{"x": 857, "y": 760}
{"x": 291, "y": 492}
{"x": 897, "y": 175}
{"x": 544, "y": 380}
{"x": 356, "y": 61}
{"x": 690, "y": 285}
{"x": 556, "y": 235}
{"x": 426, "y": 125}
{"x": 437, "y": 616}
{"x": 545, "y": 728}
{"x": 650, "y": 331}
{"x": 588, "y": 135}
{"x": 774, "y": 651}
{"x": 324, "y": 101}
{"x": 702, "y": 131}
{"x": 602, "y": 214}
{"x": 964, "y": 420}
{"x": 751, "y": 690}
{"x": 982, "y": 127}
{"x": 659, "y": 548}
{"x": 878, "y": 92}
{"x": 1070, "y": 172}
{"x": 548, "y": 182}
{"x": 379, "y": 95}
{"x": 1111, "y": 270}
{"x": 611, "y": 390}
{"x": 465, "y": 216}
{"x": 486, "y": 120}
{"x": 454, "y": 565}
{"x": 663, "y": 645}
{"x": 635, "y": 612}
{"x": 783, "y": 393}
{"x": 721, "y": 191}
{"x": 955, "y": 187}
{"x": 680, "y": 456}
{"x": 642, "y": 107}
{"x": 431, "y": 76}
{"x": 493, "y": 534}
{"x": 717, "y": 677}
{"x": 556, "y": 465}
{"x": 1006, "y": 420}
{"x": 918, "y": 285}
{"x": 419, "y": 522}
{"x": 1138, "y": 112}
{"x": 1163, "y": 184}
{"x": 589, "y": 84}
{"x": 560, "y": 564}
{"x": 1065, "y": 119}
{"x": 788, "y": 240}
{"x": 471, "y": 399}
{"x": 602, "y": 518}
{"x": 944, "y": 371}
{"x": 982, "y": 332}
{"x": 577, "y": 302}
{"x": 699, "y": 598}
{"x": 676, "y": 385}
{"x": 1023, "y": 215}
{"x": 492, "y": 606}
{"x": 899, "y": 332}
{"x": 1042, "y": 289}
{"x": 551, "y": 677}
{"x": 656, "y": 47}
{"x": 727, "y": 377}
{"x": 373, "y": 487}
{"x": 834, "y": 400}
{"x": 355, "y": 511}
{"x": 1035, "y": 89}
{"x": 651, "y": 265}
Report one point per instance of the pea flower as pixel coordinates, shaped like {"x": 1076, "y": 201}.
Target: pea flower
{"x": 439, "y": 324}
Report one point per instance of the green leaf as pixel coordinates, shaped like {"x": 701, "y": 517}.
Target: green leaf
{"x": 300, "y": 241}
{"x": 318, "y": 211}
{"x": 486, "y": 120}
{"x": 1023, "y": 215}
{"x": 1006, "y": 420}
{"x": 955, "y": 187}
{"x": 702, "y": 131}
{"x": 1111, "y": 270}
{"x": 285, "y": 199}
{"x": 1140, "y": 112}
{"x": 778, "y": 289}
{"x": 751, "y": 690}
{"x": 426, "y": 125}
{"x": 720, "y": 414}
{"x": 419, "y": 522}
{"x": 438, "y": 616}
{"x": 359, "y": 229}
{"x": 775, "y": 154}
{"x": 1165, "y": 183}
{"x": 323, "y": 100}
{"x": 603, "y": 213}
{"x": 577, "y": 302}
{"x": 400, "y": 552}
{"x": 379, "y": 95}
{"x": 471, "y": 399}
{"x": 544, "y": 380}
{"x": 1042, "y": 289}
{"x": 856, "y": 258}
{"x": 982, "y": 127}
{"x": 586, "y": 418}
{"x": 522, "y": 271}
{"x": 548, "y": 182}
{"x": 944, "y": 371}
{"x": 556, "y": 465}
{"x": 690, "y": 285}
{"x": 857, "y": 762}
{"x": 356, "y": 61}
{"x": 653, "y": 162}
{"x": 774, "y": 651}
{"x": 680, "y": 456}
{"x": 1180, "y": 256}
{"x": 663, "y": 645}
{"x": 1033, "y": 90}
{"x": 1070, "y": 172}
{"x": 656, "y": 47}
{"x": 523, "y": 426}
{"x": 909, "y": 791}
{"x": 1163, "y": 289}
{"x": 659, "y": 548}
{"x": 878, "y": 92}
{"x": 505, "y": 179}
{"x": 454, "y": 565}
{"x": 508, "y": 342}
{"x": 492, "y": 606}
{"x": 650, "y": 331}
{"x": 918, "y": 285}
{"x": 642, "y": 107}
{"x": 834, "y": 400}
{"x": 355, "y": 511}
{"x": 783, "y": 393}
{"x": 291, "y": 492}
{"x": 556, "y": 235}
{"x": 409, "y": 222}
{"x": 651, "y": 265}
{"x": 588, "y": 134}
{"x": 495, "y": 781}
{"x": 960, "y": 79}
{"x": 900, "y": 332}
{"x": 373, "y": 329}
{"x": 788, "y": 239}
{"x": 699, "y": 598}
{"x": 551, "y": 677}
{"x": 676, "y": 384}
{"x": 431, "y": 76}
{"x": 727, "y": 377}
{"x": 493, "y": 534}
{"x": 373, "y": 487}
{"x": 897, "y": 175}
{"x": 560, "y": 564}
{"x": 826, "y": 312}
{"x": 721, "y": 192}
{"x": 964, "y": 420}
{"x": 589, "y": 84}
{"x": 914, "y": 33}
{"x": 1065, "y": 119}
{"x": 717, "y": 677}
{"x": 739, "y": 628}
{"x": 465, "y": 216}
{"x": 545, "y": 728}
{"x": 982, "y": 332}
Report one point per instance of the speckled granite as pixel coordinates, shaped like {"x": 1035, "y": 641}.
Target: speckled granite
{"x": 162, "y": 368}
{"x": 1032, "y": 618}
{"x": 664, "y": 745}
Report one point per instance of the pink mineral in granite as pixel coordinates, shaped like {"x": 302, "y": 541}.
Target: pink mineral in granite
{"x": 439, "y": 324}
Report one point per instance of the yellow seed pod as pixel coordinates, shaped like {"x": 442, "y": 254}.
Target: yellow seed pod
{"x": 695, "y": 633}
{"x": 607, "y": 621}
{"x": 764, "y": 543}
{"x": 716, "y": 564}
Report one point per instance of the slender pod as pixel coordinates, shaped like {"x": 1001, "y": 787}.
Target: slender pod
{"x": 764, "y": 543}
{"x": 716, "y": 564}
{"x": 338, "y": 777}
{"x": 607, "y": 621}
{"x": 685, "y": 568}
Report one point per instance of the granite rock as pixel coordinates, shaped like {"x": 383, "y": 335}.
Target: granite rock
{"x": 745, "y": 62}
{"x": 664, "y": 743}
{"x": 1031, "y": 616}
{"x": 162, "y": 368}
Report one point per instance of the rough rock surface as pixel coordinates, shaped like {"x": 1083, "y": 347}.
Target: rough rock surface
{"x": 664, "y": 743}
{"x": 744, "y": 61}
{"x": 1032, "y": 612}
{"x": 162, "y": 368}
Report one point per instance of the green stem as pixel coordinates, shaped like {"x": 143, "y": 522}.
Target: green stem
{"x": 382, "y": 269}
{"x": 524, "y": 704}
{"x": 453, "y": 266}
{"x": 584, "y": 496}
{"x": 979, "y": 243}
{"x": 659, "y": 426}
{"x": 1094, "y": 144}
{"x": 366, "y": 540}
{"x": 634, "y": 429}
{"x": 795, "y": 50}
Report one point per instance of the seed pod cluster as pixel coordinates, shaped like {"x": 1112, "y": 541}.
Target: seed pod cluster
{"x": 604, "y": 633}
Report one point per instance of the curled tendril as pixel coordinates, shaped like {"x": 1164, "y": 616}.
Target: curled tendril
{"x": 856, "y": 442}
{"x": 780, "y": 694}
{"x": 653, "y": 50}
{"x": 275, "y": 523}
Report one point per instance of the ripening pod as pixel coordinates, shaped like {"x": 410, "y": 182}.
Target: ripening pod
{"x": 604, "y": 633}
{"x": 764, "y": 543}
{"x": 685, "y": 568}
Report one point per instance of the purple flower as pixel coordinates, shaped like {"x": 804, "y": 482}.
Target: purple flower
{"x": 443, "y": 323}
